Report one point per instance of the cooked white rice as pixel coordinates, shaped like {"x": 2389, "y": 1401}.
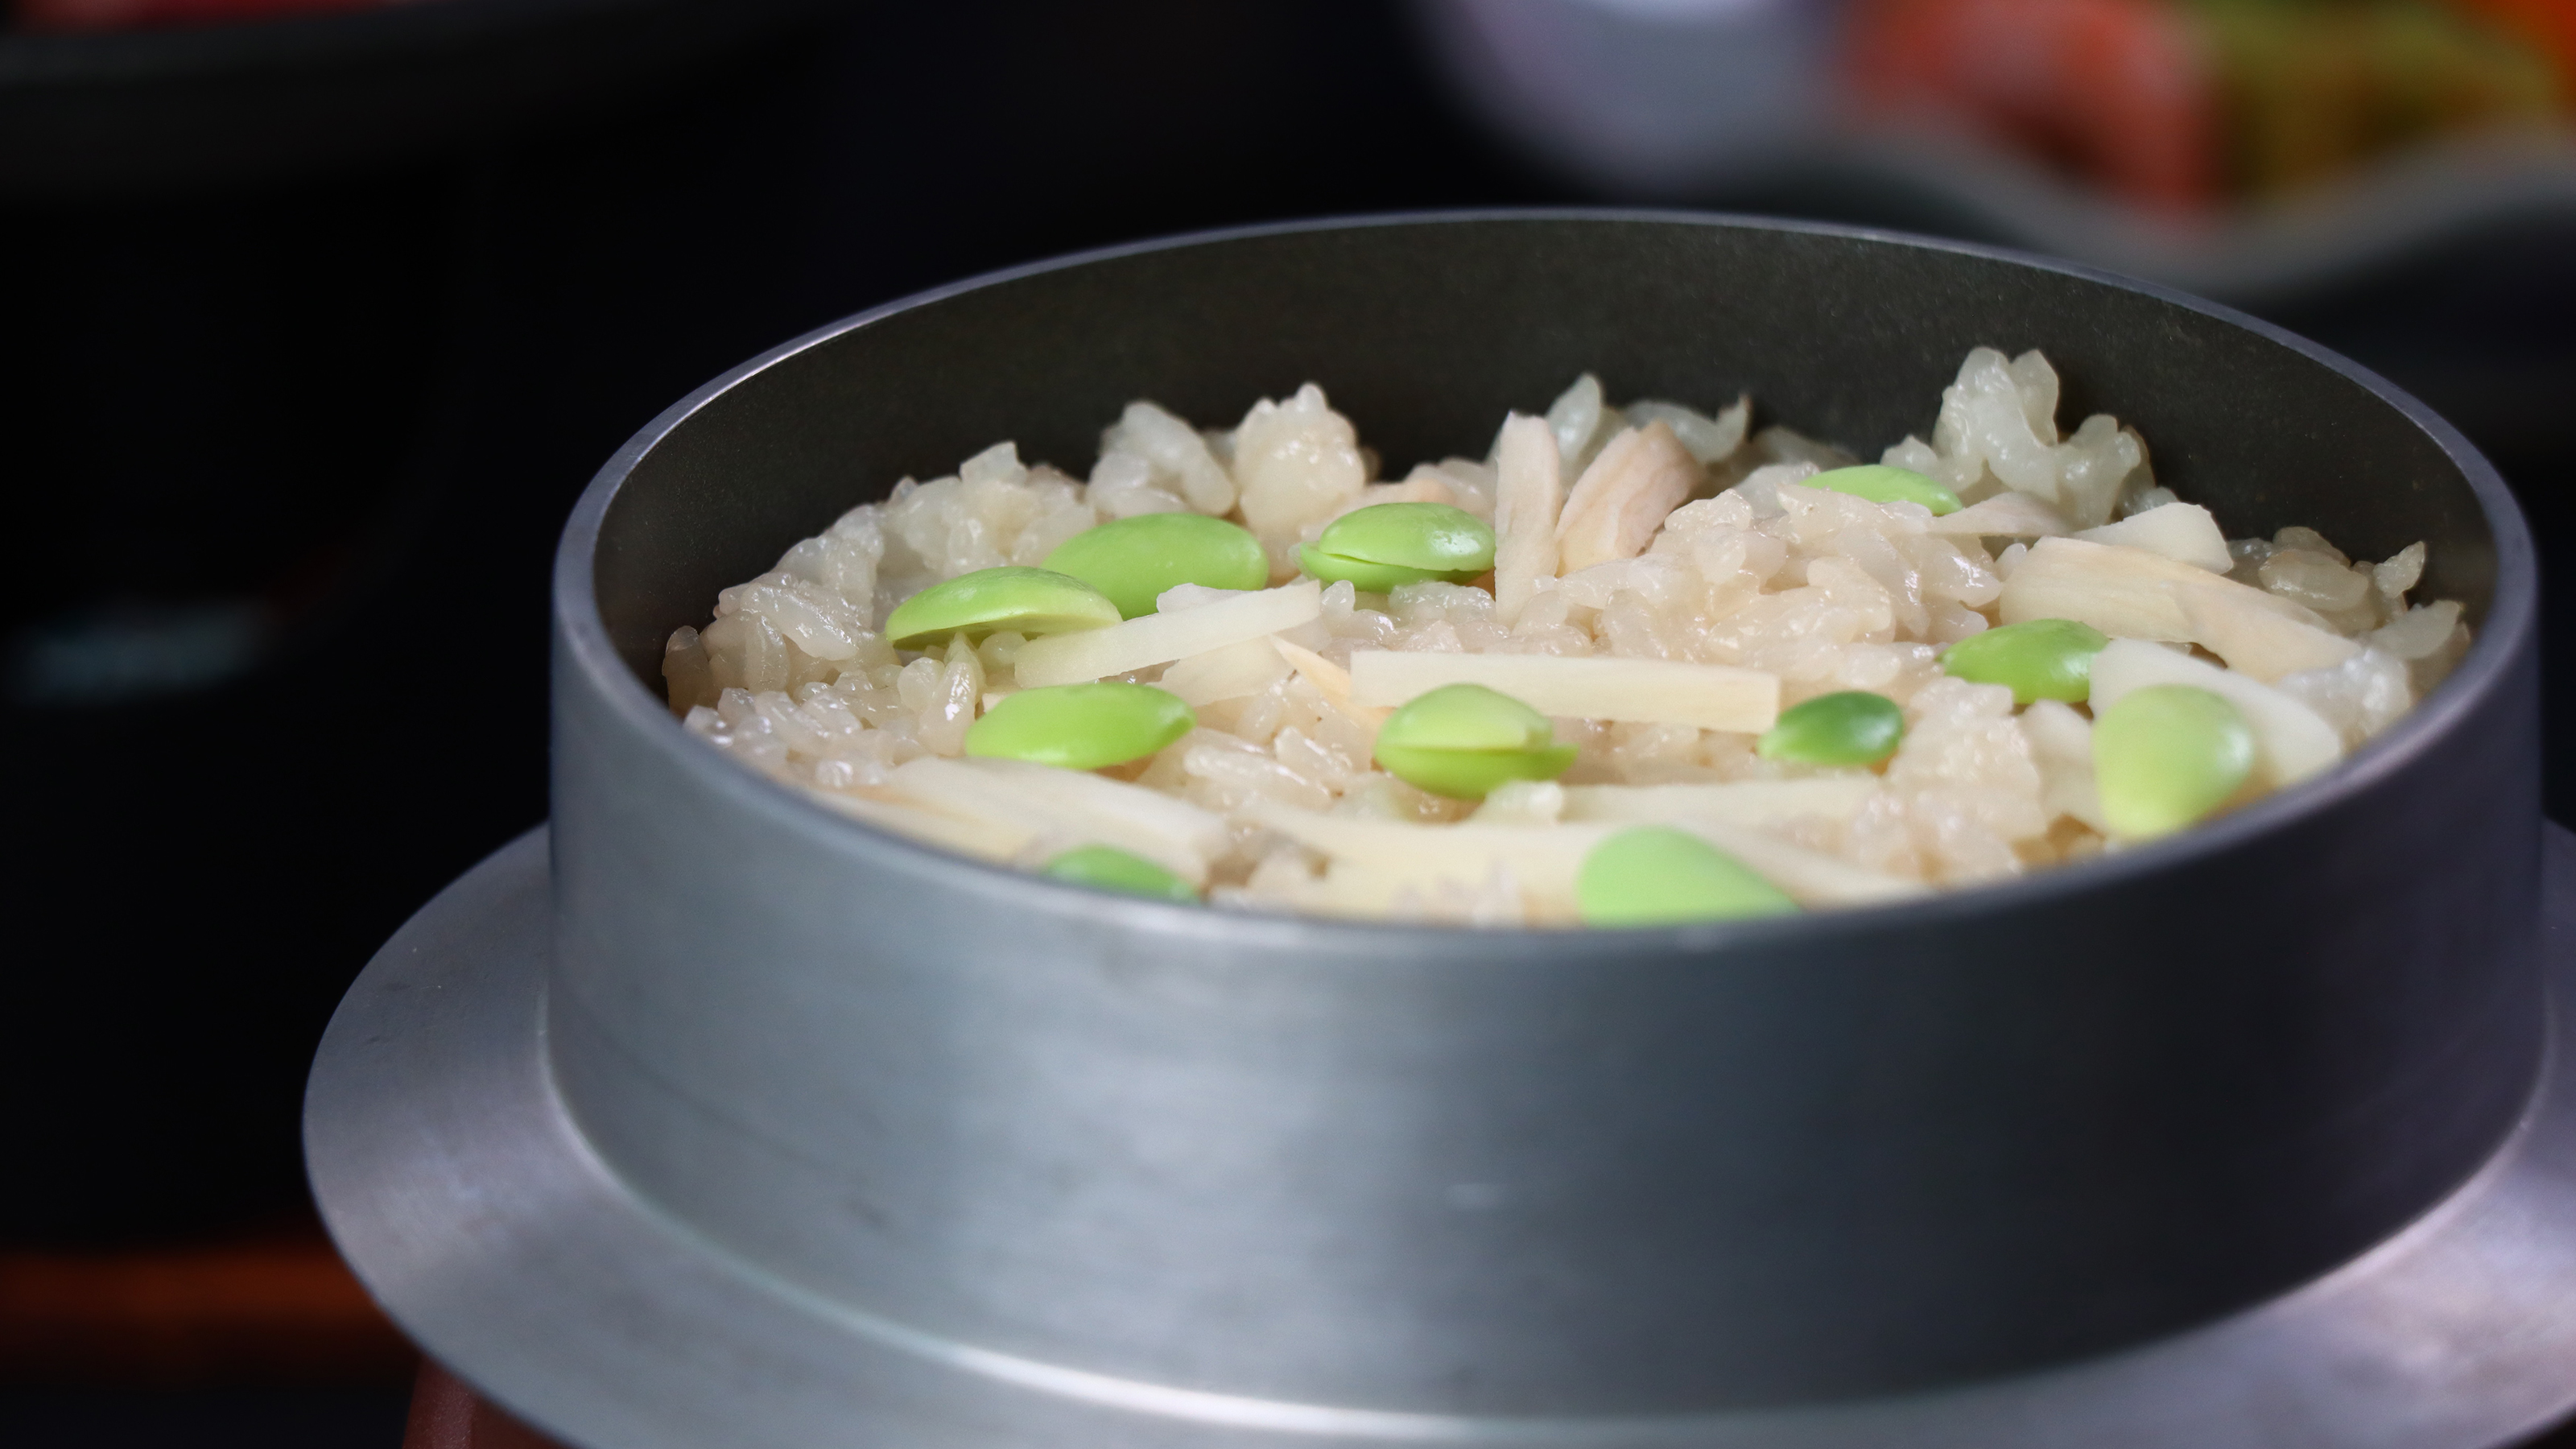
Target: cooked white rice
{"x": 1272, "y": 802}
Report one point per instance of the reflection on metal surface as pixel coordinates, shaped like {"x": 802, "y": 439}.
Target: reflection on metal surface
{"x": 1071, "y": 1169}
{"x": 469, "y": 1203}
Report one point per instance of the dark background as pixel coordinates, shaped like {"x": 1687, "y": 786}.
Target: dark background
{"x": 368, "y": 401}
{"x": 334, "y": 420}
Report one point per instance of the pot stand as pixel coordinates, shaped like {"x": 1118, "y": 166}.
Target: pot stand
{"x": 468, "y": 1201}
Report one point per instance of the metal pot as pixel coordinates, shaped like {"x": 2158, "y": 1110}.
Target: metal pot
{"x": 1554, "y": 1187}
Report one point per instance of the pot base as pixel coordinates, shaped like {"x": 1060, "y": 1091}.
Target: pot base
{"x": 467, "y": 1200}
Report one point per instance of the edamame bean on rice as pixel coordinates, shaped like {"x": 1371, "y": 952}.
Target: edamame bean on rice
{"x": 1664, "y": 600}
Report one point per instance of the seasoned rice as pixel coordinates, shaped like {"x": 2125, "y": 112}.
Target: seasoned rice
{"x": 1272, "y": 802}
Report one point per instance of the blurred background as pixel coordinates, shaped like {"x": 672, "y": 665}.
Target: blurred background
{"x": 320, "y": 313}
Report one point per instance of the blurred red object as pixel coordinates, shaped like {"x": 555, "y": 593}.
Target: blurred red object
{"x": 135, "y": 14}
{"x": 274, "y": 1307}
{"x": 2116, "y": 90}
{"x": 2548, "y": 24}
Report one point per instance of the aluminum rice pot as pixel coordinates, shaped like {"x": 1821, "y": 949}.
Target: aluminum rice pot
{"x": 1549, "y": 1173}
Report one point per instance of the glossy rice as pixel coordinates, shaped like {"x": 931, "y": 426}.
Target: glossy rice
{"x": 1715, "y": 555}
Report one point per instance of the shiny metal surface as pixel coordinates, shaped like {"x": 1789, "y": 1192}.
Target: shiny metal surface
{"x": 452, "y": 1177}
{"x": 1416, "y": 1171}
{"x": 1063, "y": 1168}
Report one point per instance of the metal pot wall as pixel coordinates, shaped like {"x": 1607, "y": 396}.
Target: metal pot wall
{"x": 1423, "y": 1171}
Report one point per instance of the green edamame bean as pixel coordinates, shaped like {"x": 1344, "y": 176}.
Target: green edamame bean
{"x": 1656, "y": 875}
{"x": 1080, "y": 726}
{"x": 1026, "y": 601}
{"x": 1880, "y": 483}
{"x": 1387, "y": 544}
{"x": 1134, "y": 560}
{"x": 2166, "y": 756}
{"x": 1854, "y": 727}
{"x": 2037, "y": 659}
{"x": 1102, "y": 868}
{"x": 1462, "y": 740}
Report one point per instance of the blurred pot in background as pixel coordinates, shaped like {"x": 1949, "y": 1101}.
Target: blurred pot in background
{"x": 1654, "y": 97}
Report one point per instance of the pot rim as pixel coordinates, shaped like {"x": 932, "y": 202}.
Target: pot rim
{"x": 2501, "y": 639}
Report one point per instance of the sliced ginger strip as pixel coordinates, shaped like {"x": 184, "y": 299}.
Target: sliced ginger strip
{"x": 1331, "y": 680}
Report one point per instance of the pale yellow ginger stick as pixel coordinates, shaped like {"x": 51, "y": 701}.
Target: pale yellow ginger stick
{"x": 1586, "y": 686}
{"x": 1756, "y": 803}
{"x": 1331, "y": 680}
{"x": 1151, "y": 639}
{"x": 2131, "y": 593}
